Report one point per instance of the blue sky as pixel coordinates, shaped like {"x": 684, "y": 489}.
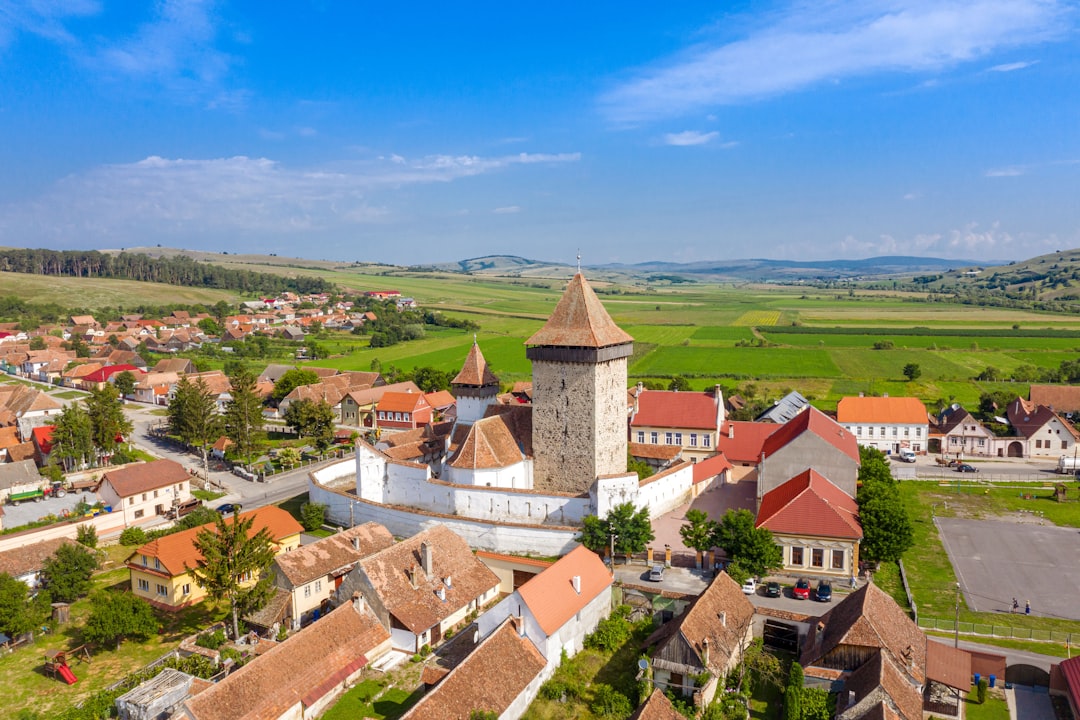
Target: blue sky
{"x": 412, "y": 133}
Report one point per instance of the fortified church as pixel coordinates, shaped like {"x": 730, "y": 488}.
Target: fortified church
{"x": 519, "y": 477}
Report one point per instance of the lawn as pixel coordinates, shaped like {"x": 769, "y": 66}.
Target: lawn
{"x": 368, "y": 699}
{"x": 995, "y": 707}
{"x": 207, "y": 495}
{"x": 737, "y": 362}
{"x": 97, "y": 292}
{"x": 69, "y": 395}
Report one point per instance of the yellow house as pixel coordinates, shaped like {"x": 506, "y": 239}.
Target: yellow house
{"x": 159, "y": 569}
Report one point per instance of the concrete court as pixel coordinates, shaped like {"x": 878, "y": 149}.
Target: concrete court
{"x": 715, "y": 501}
{"x": 997, "y": 560}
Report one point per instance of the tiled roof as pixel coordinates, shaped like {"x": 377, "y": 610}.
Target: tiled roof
{"x": 440, "y": 399}
{"x": 579, "y": 320}
{"x": 43, "y": 437}
{"x": 808, "y": 504}
{"x": 951, "y": 418}
{"x": 488, "y": 444}
{"x": 868, "y": 617}
{"x": 374, "y": 394}
{"x": 550, "y": 595}
{"x": 173, "y": 365}
{"x": 948, "y": 665}
{"x": 720, "y": 615}
{"x": 518, "y": 418}
{"x": 742, "y": 441}
{"x": 217, "y": 382}
{"x": 302, "y": 670}
{"x": 402, "y": 402}
{"x": 885, "y": 410}
{"x": 489, "y": 679}
{"x": 1027, "y": 418}
{"x": 9, "y": 437}
{"x": 670, "y": 409}
{"x": 142, "y": 477}
{"x": 103, "y": 375}
{"x": 419, "y": 608}
{"x": 1059, "y": 398}
{"x": 475, "y": 371}
{"x": 21, "y": 452}
{"x": 177, "y": 551}
{"x": 880, "y": 681}
{"x": 30, "y": 558}
{"x": 657, "y": 707}
{"x": 654, "y": 452}
{"x": 22, "y": 399}
{"x": 813, "y": 420}
{"x": 324, "y": 556}
{"x": 710, "y": 467}
{"x": 1071, "y": 670}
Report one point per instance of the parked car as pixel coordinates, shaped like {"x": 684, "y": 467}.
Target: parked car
{"x": 749, "y": 587}
{"x": 906, "y": 455}
{"x": 801, "y": 591}
{"x": 964, "y": 467}
{"x": 824, "y": 591}
{"x": 228, "y": 508}
{"x": 772, "y": 589}
{"x": 178, "y": 511}
{"x": 657, "y": 573}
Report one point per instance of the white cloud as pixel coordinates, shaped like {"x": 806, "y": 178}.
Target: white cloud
{"x": 810, "y": 43}
{"x": 130, "y": 203}
{"x": 1010, "y": 67}
{"x": 690, "y": 137}
{"x": 970, "y": 242}
{"x": 1005, "y": 172}
{"x": 911, "y": 196}
{"x": 44, "y": 18}
{"x": 508, "y": 210}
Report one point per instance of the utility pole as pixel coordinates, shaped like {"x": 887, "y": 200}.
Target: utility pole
{"x": 956, "y": 621}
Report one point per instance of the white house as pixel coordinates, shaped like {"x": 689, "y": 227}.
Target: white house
{"x": 890, "y": 424}
{"x": 145, "y": 490}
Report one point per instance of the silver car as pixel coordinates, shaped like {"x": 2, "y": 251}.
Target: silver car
{"x": 657, "y": 573}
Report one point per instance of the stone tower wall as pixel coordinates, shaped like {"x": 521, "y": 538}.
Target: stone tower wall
{"x": 579, "y": 423}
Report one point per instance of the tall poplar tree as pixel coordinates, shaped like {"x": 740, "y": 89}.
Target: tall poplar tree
{"x": 111, "y": 425}
{"x": 243, "y": 413}
{"x": 193, "y": 416}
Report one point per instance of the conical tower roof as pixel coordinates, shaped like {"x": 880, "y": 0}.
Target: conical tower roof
{"x": 475, "y": 371}
{"x": 580, "y": 320}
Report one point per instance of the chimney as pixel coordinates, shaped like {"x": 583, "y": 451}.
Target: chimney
{"x": 355, "y": 543}
{"x": 884, "y": 394}
{"x": 447, "y": 581}
{"x": 358, "y": 602}
{"x": 412, "y": 576}
{"x": 705, "y": 652}
{"x": 425, "y": 558}
{"x": 576, "y": 582}
{"x": 723, "y": 618}
{"x": 861, "y": 393}
{"x": 730, "y": 430}
{"x": 850, "y": 698}
{"x": 721, "y": 411}
{"x": 441, "y": 592}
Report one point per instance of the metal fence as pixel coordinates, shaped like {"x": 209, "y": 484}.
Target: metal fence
{"x": 1001, "y": 631}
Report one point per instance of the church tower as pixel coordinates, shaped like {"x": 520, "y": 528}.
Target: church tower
{"x": 475, "y": 387}
{"x": 579, "y": 393}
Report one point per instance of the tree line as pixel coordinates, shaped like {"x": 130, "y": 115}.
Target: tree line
{"x": 176, "y": 270}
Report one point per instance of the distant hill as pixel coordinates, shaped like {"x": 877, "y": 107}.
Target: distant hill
{"x": 1054, "y": 277}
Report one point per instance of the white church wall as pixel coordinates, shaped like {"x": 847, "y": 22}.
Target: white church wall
{"x": 514, "y": 477}
{"x": 665, "y": 492}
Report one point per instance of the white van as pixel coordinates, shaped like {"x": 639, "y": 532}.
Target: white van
{"x": 907, "y": 455}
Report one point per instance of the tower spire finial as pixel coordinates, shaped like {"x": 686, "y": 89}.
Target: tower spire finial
{"x": 579, "y": 261}
{"x": 474, "y": 338}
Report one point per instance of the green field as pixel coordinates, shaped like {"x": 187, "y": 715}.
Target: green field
{"x": 95, "y": 293}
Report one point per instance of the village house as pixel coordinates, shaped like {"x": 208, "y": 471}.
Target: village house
{"x": 159, "y": 570}
{"x": 397, "y": 411}
{"x": 502, "y": 675}
{"x": 73, "y": 376}
{"x": 100, "y": 378}
{"x": 143, "y": 491}
{"x": 1040, "y": 432}
{"x": 155, "y": 388}
{"x": 784, "y": 409}
{"x": 816, "y": 525}
{"x": 26, "y": 563}
{"x": 9, "y": 438}
{"x": 956, "y": 433}
{"x": 422, "y": 587}
{"x": 656, "y": 707}
{"x": 890, "y": 424}
{"x": 558, "y": 607}
{"x": 1062, "y": 399}
{"x": 21, "y": 402}
{"x": 809, "y": 440}
{"x": 179, "y": 366}
{"x": 705, "y": 642}
{"x": 300, "y": 678}
{"x": 690, "y": 420}
{"x": 312, "y": 573}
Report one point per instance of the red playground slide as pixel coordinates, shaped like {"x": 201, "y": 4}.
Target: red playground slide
{"x": 65, "y": 672}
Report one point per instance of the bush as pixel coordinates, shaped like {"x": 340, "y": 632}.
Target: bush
{"x": 133, "y": 536}
{"x": 312, "y": 515}
{"x": 610, "y": 634}
{"x": 608, "y": 702}
{"x": 816, "y": 705}
{"x": 211, "y": 641}
{"x": 980, "y": 691}
{"x": 87, "y": 535}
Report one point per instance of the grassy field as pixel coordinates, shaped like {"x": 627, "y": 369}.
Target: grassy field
{"x": 95, "y": 292}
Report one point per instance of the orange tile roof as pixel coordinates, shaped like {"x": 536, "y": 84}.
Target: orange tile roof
{"x": 440, "y": 399}
{"x": 657, "y": 707}
{"x": 475, "y": 371}
{"x": 330, "y": 554}
{"x": 142, "y": 477}
{"x": 670, "y": 409}
{"x": 402, "y": 402}
{"x": 948, "y": 665}
{"x": 8, "y": 437}
{"x": 710, "y": 467}
{"x": 177, "y": 552}
{"x": 654, "y": 452}
{"x": 579, "y": 320}
{"x": 303, "y": 670}
{"x": 489, "y": 444}
{"x": 808, "y": 504}
{"x": 742, "y": 441}
{"x": 813, "y": 420}
{"x": 888, "y": 410}
{"x": 489, "y": 679}
{"x": 550, "y": 595}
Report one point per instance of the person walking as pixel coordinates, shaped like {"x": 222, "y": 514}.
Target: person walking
{"x": 1015, "y": 606}
{"x": 1027, "y": 607}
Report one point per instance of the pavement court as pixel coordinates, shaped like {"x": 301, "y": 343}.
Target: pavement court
{"x": 997, "y": 560}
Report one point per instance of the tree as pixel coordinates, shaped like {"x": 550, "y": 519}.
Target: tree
{"x": 873, "y": 466}
{"x": 209, "y": 326}
{"x": 594, "y": 534}
{"x": 193, "y": 416}
{"x": 233, "y": 565}
{"x": 793, "y": 693}
{"x": 291, "y": 380}
{"x": 679, "y": 383}
{"x": 288, "y": 457}
{"x": 243, "y": 413}
{"x": 912, "y": 371}
{"x": 752, "y": 547}
{"x": 111, "y": 425}
{"x": 67, "y": 573}
{"x": 698, "y": 532}
{"x": 125, "y": 383}
{"x": 887, "y": 532}
{"x": 115, "y": 616}
{"x": 642, "y": 468}
{"x": 73, "y": 438}
{"x": 87, "y": 535}
{"x": 312, "y": 419}
{"x": 37, "y": 343}
{"x": 630, "y": 530}
{"x": 429, "y": 379}
{"x": 313, "y": 515}
{"x": 19, "y": 613}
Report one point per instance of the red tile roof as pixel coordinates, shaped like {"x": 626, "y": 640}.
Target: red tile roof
{"x": 813, "y": 420}
{"x": 669, "y": 409}
{"x": 808, "y": 504}
{"x": 402, "y": 402}
{"x": 550, "y": 595}
{"x": 475, "y": 371}
{"x": 103, "y": 375}
{"x": 43, "y": 438}
{"x": 741, "y": 442}
{"x": 948, "y": 665}
{"x": 579, "y": 320}
{"x": 657, "y": 707}
{"x": 710, "y": 467}
{"x": 440, "y": 399}
{"x": 887, "y": 410}
{"x": 1071, "y": 670}
{"x": 142, "y": 477}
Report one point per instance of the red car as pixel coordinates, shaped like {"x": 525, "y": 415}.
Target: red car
{"x": 801, "y": 591}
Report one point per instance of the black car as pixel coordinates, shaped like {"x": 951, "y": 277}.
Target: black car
{"x": 228, "y": 508}
{"x": 772, "y": 589}
{"x": 964, "y": 467}
{"x": 824, "y": 591}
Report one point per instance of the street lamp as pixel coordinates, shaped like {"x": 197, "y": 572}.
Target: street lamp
{"x": 956, "y": 622}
